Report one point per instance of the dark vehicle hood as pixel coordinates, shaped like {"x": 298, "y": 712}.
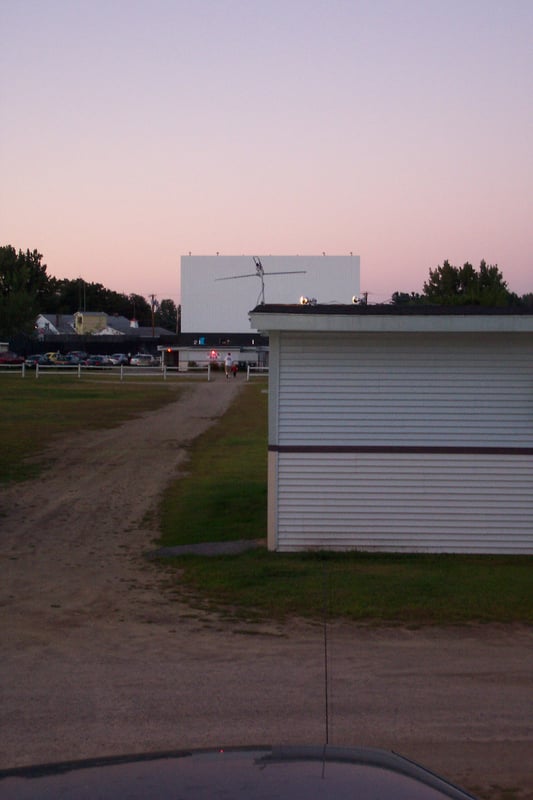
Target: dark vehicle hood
{"x": 291, "y": 773}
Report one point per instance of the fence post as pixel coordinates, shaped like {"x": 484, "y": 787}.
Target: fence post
{"x": 208, "y": 371}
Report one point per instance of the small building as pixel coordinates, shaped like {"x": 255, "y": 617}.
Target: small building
{"x": 54, "y": 325}
{"x": 96, "y": 332}
{"x": 210, "y": 348}
{"x": 399, "y": 428}
{"x": 86, "y": 322}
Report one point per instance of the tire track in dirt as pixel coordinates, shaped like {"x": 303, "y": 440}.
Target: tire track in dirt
{"x": 72, "y": 538}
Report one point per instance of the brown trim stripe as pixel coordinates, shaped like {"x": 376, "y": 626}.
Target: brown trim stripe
{"x": 393, "y": 449}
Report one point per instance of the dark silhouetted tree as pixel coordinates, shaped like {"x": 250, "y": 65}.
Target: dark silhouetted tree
{"x": 407, "y": 299}
{"x": 449, "y": 285}
{"x": 167, "y": 315}
{"x": 466, "y": 286}
{"x": 24, "y": 287}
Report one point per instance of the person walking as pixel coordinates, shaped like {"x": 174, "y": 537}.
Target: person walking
{"x": 228, "y": 361}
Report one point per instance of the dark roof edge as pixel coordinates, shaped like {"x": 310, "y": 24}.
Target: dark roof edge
{"x": 390, "y": 310}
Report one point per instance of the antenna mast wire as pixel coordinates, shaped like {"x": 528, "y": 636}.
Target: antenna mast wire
{"x": 260, "y": 273}
{"x": 326, "y": 677}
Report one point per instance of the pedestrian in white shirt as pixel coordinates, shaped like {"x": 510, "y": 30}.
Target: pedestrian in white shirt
{"x": 228, "y": 361}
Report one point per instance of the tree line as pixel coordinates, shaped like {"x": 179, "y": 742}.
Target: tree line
{"x": 27, "y": 290}
{"x": 448, "y": 285}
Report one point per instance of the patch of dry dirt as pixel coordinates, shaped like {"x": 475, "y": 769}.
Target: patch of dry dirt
{"x": 98, "y": 659}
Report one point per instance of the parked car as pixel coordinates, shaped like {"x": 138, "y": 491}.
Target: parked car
{"x": 52, "y": 355}
{"x": 9, "y": 357}
{"x": 119, "y": 359}
{"x": 144, "y": 360}
{"x": 98, "y": 361}
{"x": 81, "y": 355}
{"x": 67, "y": 361}
{"x": 37, "y": 359}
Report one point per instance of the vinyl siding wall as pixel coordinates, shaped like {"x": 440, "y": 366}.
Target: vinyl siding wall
{"x": 402, "y": 442}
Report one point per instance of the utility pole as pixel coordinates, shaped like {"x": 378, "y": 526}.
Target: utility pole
{"x": 152, "y": 305}
{"x": 81, "y": 288}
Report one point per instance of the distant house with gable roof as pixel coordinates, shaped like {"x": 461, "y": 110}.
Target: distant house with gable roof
{"x": 99, "y": 332}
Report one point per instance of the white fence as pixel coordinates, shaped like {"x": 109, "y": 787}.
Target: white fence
{"x": 198, "y": 371}
{"x": 256, "y": 372}
{"x": 11, "y": 368}
{"x": 124, "y": 372}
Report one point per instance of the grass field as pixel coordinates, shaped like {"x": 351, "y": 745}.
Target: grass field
{"x": 33, "y": 413}
{"x": 223, "y": 497}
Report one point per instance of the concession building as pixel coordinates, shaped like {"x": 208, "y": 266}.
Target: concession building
{"x": 397, "y": 428}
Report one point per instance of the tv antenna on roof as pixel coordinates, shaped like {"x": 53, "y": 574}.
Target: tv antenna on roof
{"x": 260, "y": 273}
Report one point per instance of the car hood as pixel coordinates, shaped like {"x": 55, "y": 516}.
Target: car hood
{"x": 290, "y": 773}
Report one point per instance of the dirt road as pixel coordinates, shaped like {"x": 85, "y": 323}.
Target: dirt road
{"x": 98, "y": 659}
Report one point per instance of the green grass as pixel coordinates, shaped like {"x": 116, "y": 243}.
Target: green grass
{"x": 34, "y": 412}
{"x": 223, "y": 497}
{"x": 387, "y": 589}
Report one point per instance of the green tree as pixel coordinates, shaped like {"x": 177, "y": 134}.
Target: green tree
{"x": 24, "y": 287}
{"x": 69, "y": 296}
{"x": 140, "y": 309}
{"x": 167, "y": 315}
{"x": 26, "y": 290}
{"x": 407, "y": 299}
{"x": 449, "y": 285}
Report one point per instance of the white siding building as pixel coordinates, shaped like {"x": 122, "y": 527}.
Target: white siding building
{"x": 399, "y": 429}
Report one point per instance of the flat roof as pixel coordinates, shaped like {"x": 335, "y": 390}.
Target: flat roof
{"x": 391, "y": 318}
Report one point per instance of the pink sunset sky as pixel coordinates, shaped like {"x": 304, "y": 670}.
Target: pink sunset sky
{"x": 136, "y": 131}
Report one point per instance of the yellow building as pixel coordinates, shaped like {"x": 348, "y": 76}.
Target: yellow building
{"x": 90, "y": 322}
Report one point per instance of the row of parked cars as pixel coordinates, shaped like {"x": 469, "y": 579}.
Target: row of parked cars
{"x": 77, "y": 357}
{"x": 8, "y": 357}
